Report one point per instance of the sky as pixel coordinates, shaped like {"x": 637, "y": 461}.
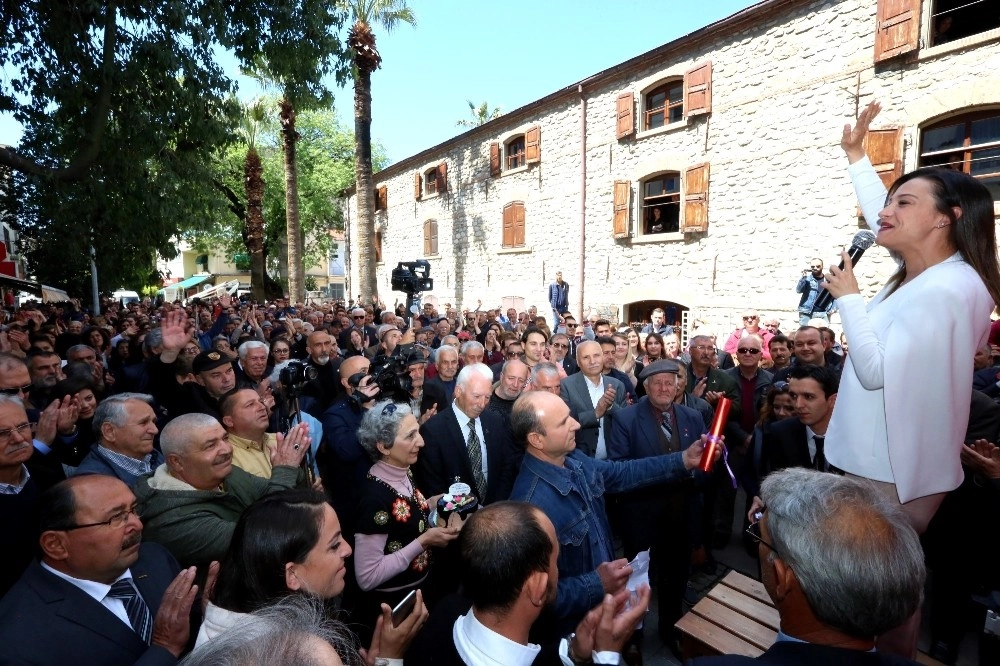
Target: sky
{"x": 508, "y": 53}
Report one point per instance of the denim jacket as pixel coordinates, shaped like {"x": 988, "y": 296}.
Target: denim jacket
{"x": 573, "y": 499}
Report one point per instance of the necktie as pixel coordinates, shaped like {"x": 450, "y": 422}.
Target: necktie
{"x": 819, "y": 462}
{"x": 476, "y": 459}
{"x": 667, "y": 430}
{"x": 138, "y": 613}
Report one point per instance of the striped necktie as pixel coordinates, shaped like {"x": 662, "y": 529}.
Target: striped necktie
{"x": 138, "y": 613}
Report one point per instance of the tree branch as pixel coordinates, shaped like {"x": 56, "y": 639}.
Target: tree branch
{"x": 236, "y": 205}
{"x": 80, "y": 164}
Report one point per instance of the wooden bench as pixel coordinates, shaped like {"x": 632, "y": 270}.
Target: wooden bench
{"x": 737, "y": 617}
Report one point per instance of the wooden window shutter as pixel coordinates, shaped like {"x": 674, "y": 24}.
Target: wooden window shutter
{"x": 626, "y": 123}
{"x": 430, "y": 238}
{"x": 622, "y": 196}
{"x": 508, "y": 225}
{"x": 897, "y": 28}
{"x": 696, "y": 199}
{"x": 442, "y": 177}
{"x": 884, "y": 148}
{"x": 532, "y": 145}
{"x": 494, "y": 159}
{"x": 519, "y": 225}
{"x": 698, "y": 89}
{"x": 382, "y": 198}
{"x": 418, "y": 184}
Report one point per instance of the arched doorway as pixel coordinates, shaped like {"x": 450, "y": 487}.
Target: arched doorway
{"x": 639, "y": 301}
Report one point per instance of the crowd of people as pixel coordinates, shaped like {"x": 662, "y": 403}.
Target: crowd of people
{"x": 229, "y": 482}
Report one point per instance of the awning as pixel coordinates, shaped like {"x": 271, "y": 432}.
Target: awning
{"x": 53, "y": 295}
{"x": 21, "y": 285}
{"x": 192, "y": 281}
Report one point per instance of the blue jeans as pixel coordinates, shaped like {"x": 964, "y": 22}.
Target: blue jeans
{"x": 804, "y": 318}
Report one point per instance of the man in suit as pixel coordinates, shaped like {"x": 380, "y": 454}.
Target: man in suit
{"x": 446, "y": 363}
{"x": 807, "y": 349}
{"x": 592, "y": 397}
{"x": 836, "y": 587}
{"x": 126, "y": 431}
{"x": 559, "y": 353}
{"x": 467, "y": 443}
{"x": 661, "y": 517}
{"x": 99, "y": 595}
{"x": 799, "y": 442}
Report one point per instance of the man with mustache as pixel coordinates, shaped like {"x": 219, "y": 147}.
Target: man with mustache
{"x": 92, "y": 555}
{"x": 192, "y": 502}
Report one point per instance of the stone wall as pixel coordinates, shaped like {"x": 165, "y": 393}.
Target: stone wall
{"x": 782, "y": 89}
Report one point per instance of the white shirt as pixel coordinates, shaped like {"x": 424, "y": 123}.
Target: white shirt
{"x": 98, "y": 592}
{"x": 596, "y": 393}
{"x": 463, "y": 425}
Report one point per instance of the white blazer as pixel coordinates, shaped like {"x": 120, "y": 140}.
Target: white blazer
{"x": 902, "y": 411}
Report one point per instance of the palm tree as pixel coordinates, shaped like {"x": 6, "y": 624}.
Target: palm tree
{"x": 289, "y": 137}
{"x": 253, "y": 182}
{"x": 480, "y": 115}
{"x": 361, "y": 40}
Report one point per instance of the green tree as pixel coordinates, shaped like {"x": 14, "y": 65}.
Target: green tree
{"x": 361, "y": 40}
{"x": 124, "y": 107}
{"x": 481, "y": 114}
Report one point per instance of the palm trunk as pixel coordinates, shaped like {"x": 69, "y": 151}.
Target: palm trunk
{"x": 254, "y": 239}
{"x": 367, "y": 286}
{"x": 296, "y": 287}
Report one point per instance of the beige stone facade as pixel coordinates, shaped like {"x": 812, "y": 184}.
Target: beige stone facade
{"x": 785, "y": 77}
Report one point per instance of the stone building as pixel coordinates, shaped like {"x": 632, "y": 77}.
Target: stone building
{"x": 704, "y": 175}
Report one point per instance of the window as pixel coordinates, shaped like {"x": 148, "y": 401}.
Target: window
{"x": 955, "y": 19}
{"x": 969, "y": 143}
{"x": 335, "y": 262}
{"x": 430, "y": 181}
{"x": 664, "y": 105}
{"x": 513, "y": 224}
{"x": 661, "y": 204}
{"x": 430, "y": 238}
{"x": 514, "y": 150}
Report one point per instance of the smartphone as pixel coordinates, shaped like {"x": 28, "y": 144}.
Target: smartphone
{"x": 404, "y": 608}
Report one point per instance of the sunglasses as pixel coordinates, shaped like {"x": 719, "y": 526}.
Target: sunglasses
{"x": 16, "y": 390}
{"x": 570, "y": 325}
{"x": 750, "y": 318}
{"x": 747, "y": 350}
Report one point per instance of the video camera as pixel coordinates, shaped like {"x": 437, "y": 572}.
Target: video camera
{"x": 412, "y": 277}
{"x": 296, "y": 375}
{"x": 390, "y": 373}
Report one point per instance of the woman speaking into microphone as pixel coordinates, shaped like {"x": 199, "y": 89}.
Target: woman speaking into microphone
{"x": 901, "y": 413}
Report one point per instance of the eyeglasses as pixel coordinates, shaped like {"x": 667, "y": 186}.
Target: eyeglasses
{"x": 568, "y": 325}
{"x": 747, "y": 350}
{"x": 114, "y": 522}
{"x": 749, "y": 317}
{"x": 24, "y": 430}
{"x": 16, "y": 390}
{"x": 358, "y": 317}
{"x": 754, "y": 531}
{"x": 389, "y": 409}
{"x": 779, "y": 387}
{"x": 511, "y": 355}
{"x": 560, "y": 345}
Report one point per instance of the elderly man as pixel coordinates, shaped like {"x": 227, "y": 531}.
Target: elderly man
{"x": 509, "y": 575}
{"x": 660, "y": 517}
{"x": 322, "y": 356}
{"x": 99, "y": 595}
{"x": 446, "y": 363}
{"x": 125, "y": 425}
{"x": 467, "y": 443}
{"x": 841, "y": 564}
{"x": 569, "y": 487}
{"x": 591, "y": 396}
{"x": 513, "y": 379}
{"x": 191, "y": 503}
{"x": 702, "y": 369}
{"x": 19, "y": 491}
{"x": 559, "y": 353}
{"x": 45, "y": 369}
{"x": 472, "y": 352}
{"x": 546, "y": 376}
{"x": 751, "y": 326}
{"x": 251, "y": 367}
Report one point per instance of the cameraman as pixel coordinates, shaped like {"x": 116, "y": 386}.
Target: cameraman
{"x": 343, "y": 464}
{"x": 323, "y": 356}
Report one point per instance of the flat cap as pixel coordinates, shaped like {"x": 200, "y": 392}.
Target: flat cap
{"x": 659, "y": 367}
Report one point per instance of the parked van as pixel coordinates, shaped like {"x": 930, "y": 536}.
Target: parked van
{"x": 125, "y": 297}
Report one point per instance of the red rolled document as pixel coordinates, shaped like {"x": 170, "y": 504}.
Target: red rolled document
{"x": 715, "y": 434}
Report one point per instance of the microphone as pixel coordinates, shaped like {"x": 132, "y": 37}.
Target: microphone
{"x": 861, "y": 242}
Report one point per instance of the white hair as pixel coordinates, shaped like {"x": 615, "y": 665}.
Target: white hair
{"x": 252, "y": 344}
{"x": 470, "y": 371}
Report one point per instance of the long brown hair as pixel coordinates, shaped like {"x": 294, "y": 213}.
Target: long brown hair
{"x": 973, "y": 233}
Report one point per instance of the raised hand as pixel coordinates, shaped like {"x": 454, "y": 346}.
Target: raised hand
{"x": 175, "y": 331}
{"x": 68, "y": 411}
{"x": 853, "y": 138}
{"x": 292, "y": 447}
{"x": 171, "y": 627}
